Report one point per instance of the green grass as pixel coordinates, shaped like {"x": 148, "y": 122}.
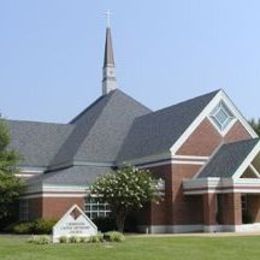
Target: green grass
{"x": 152, "y": 248}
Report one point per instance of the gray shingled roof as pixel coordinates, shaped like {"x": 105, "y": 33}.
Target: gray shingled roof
{"x": 156, "y": 132}
{"x": 101, "y": 129}
{"x": 95, "y": 135}
{"x": 228, "y": 159}
{"x": 75, "y": 175}
{"x": 37, "y": 142}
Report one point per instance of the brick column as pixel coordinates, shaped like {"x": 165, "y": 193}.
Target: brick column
{"x": 209, "y": 211}
{"x": 232, "y": 210}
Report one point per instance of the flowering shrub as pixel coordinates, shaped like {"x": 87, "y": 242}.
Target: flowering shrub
{"x": 126, "y": 189}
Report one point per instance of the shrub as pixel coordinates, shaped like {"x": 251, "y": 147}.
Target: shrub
{"x": 40, "y": 240}
{"x": 38, "y": 226}
{"x": 96, "y": 239}
{"x": 74, "y": 239}
{"x": 105, "y": 224}
{"x": 114, "y": 236}
{"x": 83, "y": 239}
{"x": 43, "y": 226}
{"x": 63, "y": 239}
{"x": 22, "y": 228}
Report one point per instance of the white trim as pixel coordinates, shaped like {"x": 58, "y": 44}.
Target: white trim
{"x": 239, "y": 172}
{"x": 53, "y": 195}
{"x": 36, "y": 170}
{"x": 24, "y": 175}
{"x": 256, "y": 172}
{"x": 54, "y": 188}
{"x": 221, "y": 95}
{"x": 160, "y": 229}
{"x": 227, "y": 128}
{"x": 218, "y": 185}
{"x": 190, "y": 157}
{"x": 171, "y": 162}
{"x": 69, "y": 188}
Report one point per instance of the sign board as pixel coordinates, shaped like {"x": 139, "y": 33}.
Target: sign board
{"x": 74, "y": 223}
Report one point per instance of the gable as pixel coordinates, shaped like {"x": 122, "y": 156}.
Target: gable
{"x": 237, "y": 129}
{"x": 231, "y": 160}
{"x": 155, "y": 132}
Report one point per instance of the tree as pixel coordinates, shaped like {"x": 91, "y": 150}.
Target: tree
{"x": 11, "y": 187}
{"x": 126, "y": 189}
{"x": 255, "y": 125}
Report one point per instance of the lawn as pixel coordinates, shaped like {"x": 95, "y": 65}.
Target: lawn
{"x": 152, "y": 248}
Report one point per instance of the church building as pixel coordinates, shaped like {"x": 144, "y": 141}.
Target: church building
{"x": 203, "y": 148}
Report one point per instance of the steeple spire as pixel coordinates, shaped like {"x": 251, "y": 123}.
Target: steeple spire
{"x": 109, "y": 82}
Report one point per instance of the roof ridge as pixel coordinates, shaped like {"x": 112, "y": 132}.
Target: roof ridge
{"x": 89, "y": 107}
{"x": 187, "y": 100}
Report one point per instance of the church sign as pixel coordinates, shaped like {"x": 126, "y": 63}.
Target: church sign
{"x": 74, "y": 223}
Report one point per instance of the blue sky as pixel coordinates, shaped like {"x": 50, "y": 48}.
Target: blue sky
{"x": 51, "y": 53}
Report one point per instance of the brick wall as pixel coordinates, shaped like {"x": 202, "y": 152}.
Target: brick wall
{"x": 205, "y": 139}
{"x": 57, "y": 207}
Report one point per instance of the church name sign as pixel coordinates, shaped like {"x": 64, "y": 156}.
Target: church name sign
{"x": 74, "y": 223}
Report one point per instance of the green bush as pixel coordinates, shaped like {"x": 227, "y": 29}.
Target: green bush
{"x": 74, "y": 239}
{"x": 83, "y": 239}
{"x": 114, "y": 236}
{"x": 38, "y": 226}
{"x": 43, "y": 226}
{"x": 96, "y": 239}
{"x": 63, "y": 239}
{"x": 105, "y": 224}
{"x": 40, "y": 240}
{"x": 22, "y": 228}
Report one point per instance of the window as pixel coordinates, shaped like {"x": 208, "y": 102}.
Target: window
{"x": 95, "y": 209}
{"x": 222, "y": 116}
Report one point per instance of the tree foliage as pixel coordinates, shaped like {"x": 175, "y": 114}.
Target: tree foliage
{"x": 10, "y": 186}
{"x": 256, "y": 125}
{"x": 126, "y": 189}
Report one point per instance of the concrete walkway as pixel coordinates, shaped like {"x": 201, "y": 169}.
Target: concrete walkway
{"x": 217, "y": 234}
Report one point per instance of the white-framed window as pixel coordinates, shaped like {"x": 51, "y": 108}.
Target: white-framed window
{"x": 95, "y": 209}
{"x": 222, "y": 116}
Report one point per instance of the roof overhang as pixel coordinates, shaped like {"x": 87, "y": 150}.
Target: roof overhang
{"x": 221, "y": 185}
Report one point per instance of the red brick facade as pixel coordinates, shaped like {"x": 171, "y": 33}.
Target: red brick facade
{"x": 180, "y": 209}
{"x": 177, "y": 208}
{"x": 52, "y": 207}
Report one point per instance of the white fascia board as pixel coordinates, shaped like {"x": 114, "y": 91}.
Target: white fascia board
{"x": 236, "y": 112}
{"x": 32, "y": 169}
{"x": 255, "y": 151}
{"x": 36, "y": 188}
{"x": 221, "y": 95}
{"x": 190, "y": 157}
{"x": 64, "y": 188}
{"x": 256, "y": 172}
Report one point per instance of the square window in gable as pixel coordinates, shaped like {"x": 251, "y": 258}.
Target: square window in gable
{"x": 222, "y": 116}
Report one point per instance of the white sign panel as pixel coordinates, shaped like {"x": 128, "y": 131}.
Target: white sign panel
{"x": 74, "y": 223}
